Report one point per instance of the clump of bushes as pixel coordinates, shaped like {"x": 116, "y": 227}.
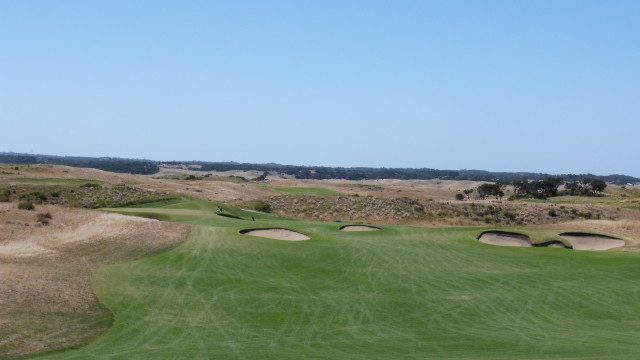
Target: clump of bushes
{"x": 4, "y": 197}
{"x": 43, "y": 218}
{"x": 263, "y": 207}
{"x": 586, "y": 215}
{"x": 509, "y": 215}
{"x": 40, "y": 196}
{"x": 552, "y": 213}
{"x": 26, "y": 205}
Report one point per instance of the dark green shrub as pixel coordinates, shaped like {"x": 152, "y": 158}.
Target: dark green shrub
{"x": 4, "y": 197}
{"x": 586, "y": 215}
{"x": 263, "y": 207}
{"x": 509, "y": 215}
{"x": 39, "y": 196}
{"x": 459, "y": 197}
{"x": 552, "y": 213}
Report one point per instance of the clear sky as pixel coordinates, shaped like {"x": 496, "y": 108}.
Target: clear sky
{"x": 539, "y": 86}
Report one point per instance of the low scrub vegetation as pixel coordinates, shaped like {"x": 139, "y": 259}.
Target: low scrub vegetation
{"x": 26, "y": 205}
{"x": 407, "y": 210}
{"x": 88, "y": 195}
{"x": 44, "y": 218}
{"x": 263, "y": 207}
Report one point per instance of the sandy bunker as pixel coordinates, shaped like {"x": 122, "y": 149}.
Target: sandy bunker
{"x": 278, "y": 234}
{"x": 587, "y": 241}
{"x": 505, "y": 239}
{"x": 359, "y": 228}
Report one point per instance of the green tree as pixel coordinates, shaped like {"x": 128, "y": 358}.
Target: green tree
{"x": 597, "y": 186}
{"x": 468, "y": 193}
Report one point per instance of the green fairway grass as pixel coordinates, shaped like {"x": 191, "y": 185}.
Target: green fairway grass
{"x": 399, "y": 293}
{"x": 306, "y": 191}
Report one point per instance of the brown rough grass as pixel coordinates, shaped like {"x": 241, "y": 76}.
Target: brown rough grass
{"x": 46, "y": 301}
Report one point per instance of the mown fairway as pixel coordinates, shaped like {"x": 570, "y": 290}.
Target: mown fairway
{"x": 400, "y": 293}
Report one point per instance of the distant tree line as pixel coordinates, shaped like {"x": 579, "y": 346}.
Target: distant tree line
{"x": 137, "y": 166}
{"x": 144, "y": 167}
{"x": 365, "y": 173}
{"x": 585, "y": 187}
{"x": 486, "y": 190}
{"x": 537, "y": 189}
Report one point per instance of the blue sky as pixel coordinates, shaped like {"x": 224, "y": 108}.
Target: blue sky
{"x": 539, "y": 86}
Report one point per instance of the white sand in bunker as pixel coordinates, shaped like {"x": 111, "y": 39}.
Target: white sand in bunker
{"x": 277, "y": 234}
{"x": 359, "y": 228}
{"x": 505, "y": 239}
{"x": 585, "y": 241}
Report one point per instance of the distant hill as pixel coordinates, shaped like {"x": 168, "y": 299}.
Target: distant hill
{"x": 148, "y": 167}
{"x": 118, "y": 165}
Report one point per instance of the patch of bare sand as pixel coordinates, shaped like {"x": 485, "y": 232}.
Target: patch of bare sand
{"x": 359, "y": 228}
{"x": 278, "y": 234}
{"x": 180, "y": 170}
{"x": 46, "y": 300}
{"x": 505, "y": 239}
{"x": 23, "y": 249}
{"x": 28, "y": 237}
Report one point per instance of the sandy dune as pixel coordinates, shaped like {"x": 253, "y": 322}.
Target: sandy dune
{"x": 25, "y": 237}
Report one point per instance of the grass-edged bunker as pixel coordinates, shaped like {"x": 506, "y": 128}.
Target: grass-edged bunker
{"x": 504, "y": 238}
{"x": 359, "y": 228}
{"x": 589, "y": 241}
{"x": 276, "y": 233}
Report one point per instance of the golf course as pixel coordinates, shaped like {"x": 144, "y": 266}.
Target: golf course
{"x": 397, "y": 293}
